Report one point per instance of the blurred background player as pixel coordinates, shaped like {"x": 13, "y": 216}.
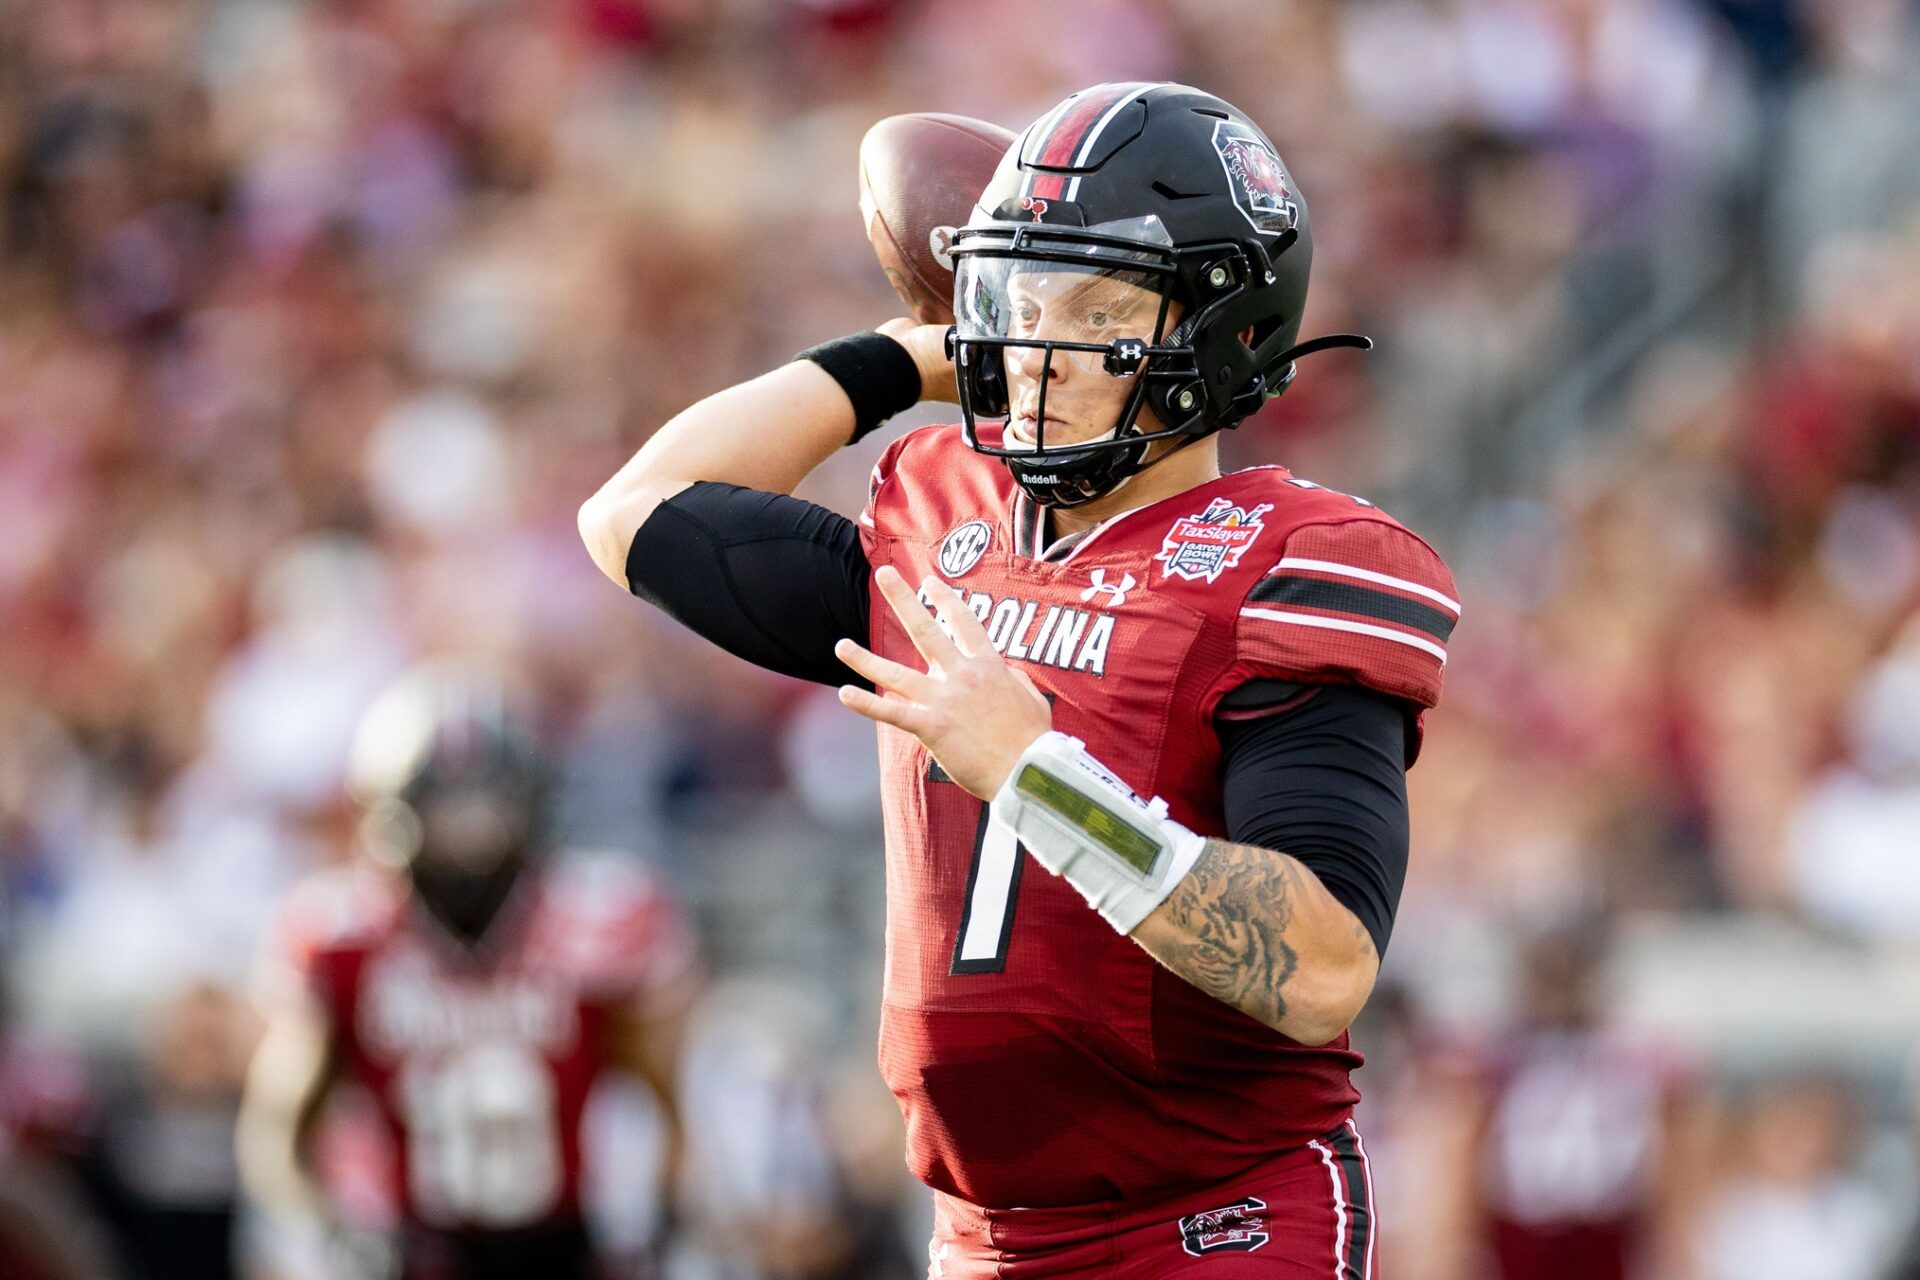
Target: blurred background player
{"x": 475, "y": 985}
{"x": 1579, "y": 1141}
{"x": 48, "y": 1230}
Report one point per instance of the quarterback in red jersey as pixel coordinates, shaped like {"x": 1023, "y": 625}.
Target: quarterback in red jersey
{"x": 476, "y": 992}
{"x": 1129, "y": 1059}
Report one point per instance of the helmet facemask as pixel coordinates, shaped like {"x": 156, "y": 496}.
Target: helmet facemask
{"x": 474, "y": 845}
{"x": 455, "y": 790}
{"x": 1202, "y": 298}
{"x": 1054, "y": 323}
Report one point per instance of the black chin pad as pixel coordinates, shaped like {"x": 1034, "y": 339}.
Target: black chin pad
{"x": 466, "y": 902}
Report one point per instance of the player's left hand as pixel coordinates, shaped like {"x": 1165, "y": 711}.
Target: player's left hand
{"x": 974, "y": 711}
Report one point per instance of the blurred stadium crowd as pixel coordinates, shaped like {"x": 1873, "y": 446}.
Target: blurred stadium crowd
{"x": 318, "y": 319}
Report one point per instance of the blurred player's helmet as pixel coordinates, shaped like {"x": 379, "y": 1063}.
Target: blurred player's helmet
{"x": 1151, "y": 193}
{"x": 454, "y": 787}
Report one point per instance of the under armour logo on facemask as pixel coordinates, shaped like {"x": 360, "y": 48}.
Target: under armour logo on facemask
{"x": 1118, "y": 590}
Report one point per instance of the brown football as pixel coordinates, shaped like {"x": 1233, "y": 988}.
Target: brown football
{"x": 919, "y": 177}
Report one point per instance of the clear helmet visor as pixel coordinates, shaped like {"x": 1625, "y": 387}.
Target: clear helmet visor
{"x": 1040, "y": 301}
{"x": 1083, "y": 287}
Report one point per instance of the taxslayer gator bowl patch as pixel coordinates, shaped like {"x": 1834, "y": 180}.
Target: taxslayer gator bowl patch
{"x": 1259, "y": 181}
{"x": 1209, "y": 544}
{"x": 1233, "y": 1228}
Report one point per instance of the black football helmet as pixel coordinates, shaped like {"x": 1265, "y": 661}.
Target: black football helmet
{"x": 455, "y": 790}
{"x": 1163, "y": 195}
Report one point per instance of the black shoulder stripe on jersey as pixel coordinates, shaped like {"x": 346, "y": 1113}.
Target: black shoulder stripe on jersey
{"x": 1343, "y": 597}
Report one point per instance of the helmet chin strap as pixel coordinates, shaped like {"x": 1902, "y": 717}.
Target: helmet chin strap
{"x": 1128, "y": 478}
{"x": 1150, "y": 463}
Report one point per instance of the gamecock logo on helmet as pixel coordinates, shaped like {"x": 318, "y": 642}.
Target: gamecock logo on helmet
{"x": 1258, "y": 180}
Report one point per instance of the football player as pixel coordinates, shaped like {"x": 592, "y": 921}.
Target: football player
{"x": 475, "y": 986}
{"x": 1584, "y": 1145}
{"x": 1116, "y": 1025}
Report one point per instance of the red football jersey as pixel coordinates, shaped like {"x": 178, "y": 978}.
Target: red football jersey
{"x": 481, "y": 1061}
{"x": 1040, "y": 1058}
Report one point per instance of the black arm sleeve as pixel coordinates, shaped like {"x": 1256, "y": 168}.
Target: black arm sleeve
{"x": 1324, "y": 782}
{"x": 769, "y": 578}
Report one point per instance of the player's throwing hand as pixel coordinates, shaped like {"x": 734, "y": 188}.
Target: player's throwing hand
{"x": 971, "y": 708}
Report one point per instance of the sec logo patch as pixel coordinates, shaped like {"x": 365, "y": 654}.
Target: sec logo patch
{"x": 962, "y": 548}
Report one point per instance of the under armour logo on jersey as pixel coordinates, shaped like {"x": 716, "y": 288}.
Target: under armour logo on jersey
{"x": 1118, "y": 590}
{"x": 937, "y": 1260}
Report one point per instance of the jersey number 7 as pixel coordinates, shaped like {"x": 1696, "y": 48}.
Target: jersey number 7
{"x": 993, "y": 887}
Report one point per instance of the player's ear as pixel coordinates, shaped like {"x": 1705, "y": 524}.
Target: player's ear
{"x": 1246, "y": 336}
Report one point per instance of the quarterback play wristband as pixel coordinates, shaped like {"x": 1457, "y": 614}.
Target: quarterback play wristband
{"x": 1086, "y": 826}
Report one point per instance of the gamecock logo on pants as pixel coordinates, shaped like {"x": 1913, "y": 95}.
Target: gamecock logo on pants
{"x": 1232, "y": 1228}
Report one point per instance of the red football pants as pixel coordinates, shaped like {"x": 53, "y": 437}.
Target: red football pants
{"x": 1307, "y": 1214}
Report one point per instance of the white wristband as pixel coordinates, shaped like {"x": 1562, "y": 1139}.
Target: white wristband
{"x": 1086, "y": 826}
